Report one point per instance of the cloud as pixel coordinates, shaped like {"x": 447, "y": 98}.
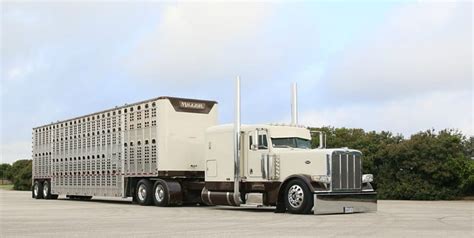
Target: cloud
{"x": 438, "y": 110}
{"x": 420, "y": 48}
{"x": 413, "y": 73}
{"x": 10, "y": 152}
{"x": 197, "y": 43}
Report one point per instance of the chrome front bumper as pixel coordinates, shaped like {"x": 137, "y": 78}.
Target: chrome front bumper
{"x": 332, "y": 203}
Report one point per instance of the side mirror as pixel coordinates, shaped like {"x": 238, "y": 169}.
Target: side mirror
{"x": 255, "y": 140}
{"x": 322, "y": 139}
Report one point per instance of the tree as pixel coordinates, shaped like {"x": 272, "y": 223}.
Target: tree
{"x": 20, "y": 174}
{"x": 4, "y": 168}
{"x": 428, "y": 165}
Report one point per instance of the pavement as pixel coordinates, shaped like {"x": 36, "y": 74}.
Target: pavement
{"x": 22, "y": 216}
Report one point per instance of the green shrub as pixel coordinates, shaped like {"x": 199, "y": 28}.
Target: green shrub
{"x": 427, "y": 166}
{"x": 20, "y": 174}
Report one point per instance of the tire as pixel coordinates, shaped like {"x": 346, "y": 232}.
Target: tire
{"x": 37, "y": 190}
{"x": 161, "y": 194}
{"x": 46, "y": 190}
{"x": 298, "y": 197}
{"x": 143, "y": 193}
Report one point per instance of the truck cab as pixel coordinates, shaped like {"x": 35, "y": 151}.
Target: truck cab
{"x": 278, "y": 162}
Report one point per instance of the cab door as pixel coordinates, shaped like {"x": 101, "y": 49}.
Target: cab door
{"x": 254, "y": 157}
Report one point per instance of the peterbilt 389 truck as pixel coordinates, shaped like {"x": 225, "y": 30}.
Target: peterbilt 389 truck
{"x": 170, "y": 151}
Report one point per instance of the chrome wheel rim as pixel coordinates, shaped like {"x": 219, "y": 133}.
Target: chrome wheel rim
{"x": 295, "y": 196}
{"x": 45, "y": 189}
{"x": 159, "y": 193}
{"x": 35, "y": 190}
{"x": 142, "y": 192}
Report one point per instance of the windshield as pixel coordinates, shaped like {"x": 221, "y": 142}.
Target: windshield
{"x": 292, "y": 142}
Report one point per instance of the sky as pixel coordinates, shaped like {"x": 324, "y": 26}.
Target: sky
{"x": 401, "y": 66}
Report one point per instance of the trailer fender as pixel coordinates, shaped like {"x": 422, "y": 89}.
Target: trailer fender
{"x": 175, "y": 192}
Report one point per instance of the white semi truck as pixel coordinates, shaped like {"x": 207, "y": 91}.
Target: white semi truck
{"x": 170, "y": 151}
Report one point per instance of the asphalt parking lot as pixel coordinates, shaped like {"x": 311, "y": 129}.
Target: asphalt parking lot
{"x": 22, "y": 216}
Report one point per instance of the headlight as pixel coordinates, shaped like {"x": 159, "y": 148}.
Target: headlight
{"x": 321, "y": 178}
{"x": 367, "y": 178}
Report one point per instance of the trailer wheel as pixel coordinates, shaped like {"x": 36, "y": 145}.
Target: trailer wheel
{"x": 144, "y": 192}
{"x": 161, "y": 193}
{"x": 46, "y": 190}
{"x": 298, "y": 197}
{"x": 37, "y": 190}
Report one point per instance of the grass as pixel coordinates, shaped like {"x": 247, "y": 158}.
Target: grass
{"x": 6, "y": 186}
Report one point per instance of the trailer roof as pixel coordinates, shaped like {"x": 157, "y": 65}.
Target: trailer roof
{"x": 125, "y": 106}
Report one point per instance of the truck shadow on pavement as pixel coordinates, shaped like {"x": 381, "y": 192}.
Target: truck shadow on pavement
{"x": 124, "y": 202}
{"x": 245, "y": 209}
{"x": 130, "y": 203}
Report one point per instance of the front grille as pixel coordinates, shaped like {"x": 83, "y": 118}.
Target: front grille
{"x": 346, "y": 171}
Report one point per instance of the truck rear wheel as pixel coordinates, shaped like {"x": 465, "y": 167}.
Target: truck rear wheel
{"x": 46, "y": 190}
{"x": 298, "y": 197}
{"x": 37, "y": 190}
{"x": 143, "y": 192}
{"x": 161, "y": 193}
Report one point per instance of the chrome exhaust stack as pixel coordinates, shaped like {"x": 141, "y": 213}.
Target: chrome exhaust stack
{"x": 225, "y": 197}
{"x": 294, "y": 105}
{"x": 236, "y": 193}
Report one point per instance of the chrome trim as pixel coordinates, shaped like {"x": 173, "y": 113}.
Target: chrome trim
{"x": 270, "y": 166}
{"x": 228, "y": 199}
{"x": 159, "y": 193}
{"x": 142, "y": 193}
{"x": 209, "y": 196}
{"x": 295, "y": 196}
{"x": 346, "y": 171}
{"x": 330, "y": 171}
{"x": 294, "y": 104}
{"x": 340, "y": 171}
{"x": 354, "y": 169}
{"x": 328, "y": 165}
{"x": 332, "y": 203}
{"x": 237, "y": 143}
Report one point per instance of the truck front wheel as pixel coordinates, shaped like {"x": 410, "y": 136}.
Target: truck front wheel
{"x": 143, "y": 192}
{"x": 298, "y": 197}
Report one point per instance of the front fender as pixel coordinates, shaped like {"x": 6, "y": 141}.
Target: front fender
{"x": 304, "y": 177}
